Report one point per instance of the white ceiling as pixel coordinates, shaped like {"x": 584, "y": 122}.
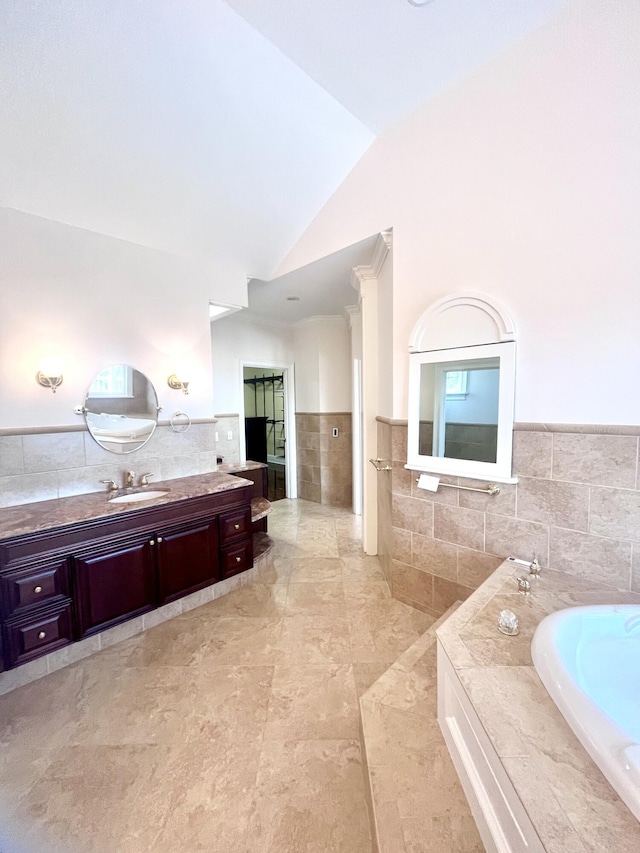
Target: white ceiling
{"x": 323, "y": 288}
{"x": 381, "y": 59}
{"x": 214, "y": 129}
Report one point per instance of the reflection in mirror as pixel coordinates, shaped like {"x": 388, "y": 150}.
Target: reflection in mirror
{"x": 121, "y": 408}
{"x": 461, "y": 411}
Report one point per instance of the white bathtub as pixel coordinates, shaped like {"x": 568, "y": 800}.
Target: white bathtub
{"x": 588, "y": 658}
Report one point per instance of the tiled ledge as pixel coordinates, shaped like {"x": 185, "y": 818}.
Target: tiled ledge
{"x": 412, "y": 785}
{"x": 524, "y": 426}
{"x": 82, "y": 427}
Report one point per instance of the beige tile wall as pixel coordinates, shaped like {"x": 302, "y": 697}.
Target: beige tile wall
{"x": 324, "y": 461}
{"x": 228, "y": 448}
{"x": 576, "y": 507}
{"x": 43, "y": 466}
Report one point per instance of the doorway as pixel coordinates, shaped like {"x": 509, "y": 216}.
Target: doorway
{"x": 267, "y": 425}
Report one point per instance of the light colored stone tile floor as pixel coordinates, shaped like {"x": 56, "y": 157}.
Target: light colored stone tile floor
{"x": 234, "y": 728}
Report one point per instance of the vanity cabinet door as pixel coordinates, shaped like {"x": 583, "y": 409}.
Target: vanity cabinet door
{"x": 113, "y": 584}
{"x": 187, "y": 559}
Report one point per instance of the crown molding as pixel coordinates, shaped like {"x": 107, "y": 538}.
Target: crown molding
{"x": 353, "y": 314}
{"x": 383, "y": 246}
{"x": 370, "y": 272}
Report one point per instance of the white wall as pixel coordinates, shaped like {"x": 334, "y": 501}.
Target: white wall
{"x": 93, "y": 300}
{"x": 522, "y": 182}
{"x": 235, "y": 340}
{"x": 322, "y": 354}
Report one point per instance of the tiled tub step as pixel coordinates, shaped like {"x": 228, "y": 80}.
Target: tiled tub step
{"x": 416, "y": 800}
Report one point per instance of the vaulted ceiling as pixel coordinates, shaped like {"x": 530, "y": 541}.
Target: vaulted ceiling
{"x": 218, "y": 129}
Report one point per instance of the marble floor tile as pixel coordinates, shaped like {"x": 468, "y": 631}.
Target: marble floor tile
{"x": 361, "y": 567}
{"x": 315, "y": 639}
{"x": 234, "y": 727}
{"x": 313, "y": 702}
{"x": 97, "y": 798}
{"x": 211, "y": 798}
{"x": 175, "y": 706}
{"x": 366, "y": 674}
{"x": 240, "y": 640}
{"x": 308, "y": 797}
{"x": 316, "y": 569}
{"x": 382, "y": 630}
{"x": 322, "y": 597}
{"x": 359, "y": 592}
{"x": 257, "y": 599}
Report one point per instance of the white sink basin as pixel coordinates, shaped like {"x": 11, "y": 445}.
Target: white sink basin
{"x": 138, "y": 497}
{"x": 588, "y": 658}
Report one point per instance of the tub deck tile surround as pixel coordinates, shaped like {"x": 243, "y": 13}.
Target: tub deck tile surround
{"x": 566, "y": 796}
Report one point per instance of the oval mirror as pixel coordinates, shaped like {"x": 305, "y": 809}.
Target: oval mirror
{"x": 121, "y": 409}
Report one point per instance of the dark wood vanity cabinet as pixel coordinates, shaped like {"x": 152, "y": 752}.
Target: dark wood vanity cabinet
{"x": 112, "y": 583}
{"x": 61, "y": 585}
{"x": 36, "y": 610}
{"x": 187, "y": 559}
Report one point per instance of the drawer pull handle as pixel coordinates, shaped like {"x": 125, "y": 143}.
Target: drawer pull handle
{"x": 37, "y": 589}
{"x": 238, "y": 559}
{"x": 42, "y": 635}
{"x": 152, "y": 541}
{"x": 159, "y": 539}
{"x": 236, "y": 527}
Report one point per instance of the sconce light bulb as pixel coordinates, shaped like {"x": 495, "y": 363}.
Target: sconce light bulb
{"x": 178, "y": 384}
{"x": 49, "y": 374}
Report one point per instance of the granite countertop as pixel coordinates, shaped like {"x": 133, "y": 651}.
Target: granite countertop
{"x": 47, "y": 515}
{"x": 570, "y": 803}
{"x": 234, "y": 467}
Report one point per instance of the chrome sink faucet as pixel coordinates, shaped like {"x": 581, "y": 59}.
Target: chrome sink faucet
{"x": 128, "y": 480}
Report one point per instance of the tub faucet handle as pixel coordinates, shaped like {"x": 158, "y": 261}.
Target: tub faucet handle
{"x": 524, "y": 586}
{"x": 534, "y": 568}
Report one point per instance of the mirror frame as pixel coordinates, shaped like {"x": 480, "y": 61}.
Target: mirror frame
{"x": 498, "y": 471}
{"x": 103, "y": 440}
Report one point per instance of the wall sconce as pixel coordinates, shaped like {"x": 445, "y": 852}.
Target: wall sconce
{"x": 50, "y": 373}
{"x": 178, "y": 384}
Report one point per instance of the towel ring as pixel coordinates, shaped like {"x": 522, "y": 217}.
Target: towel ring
{"x": 182, "y": 426}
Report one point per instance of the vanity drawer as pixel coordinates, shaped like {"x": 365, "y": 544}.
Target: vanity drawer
{"x": 30, "y": 587}
{"x": 236, "y": 558}
{"x": 30, "y": 637}
{"x": 235, "y": 525}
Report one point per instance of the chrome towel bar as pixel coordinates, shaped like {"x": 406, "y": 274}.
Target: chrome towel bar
{"x": 491, "y": 489}
{"x": 376, "y": 464}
